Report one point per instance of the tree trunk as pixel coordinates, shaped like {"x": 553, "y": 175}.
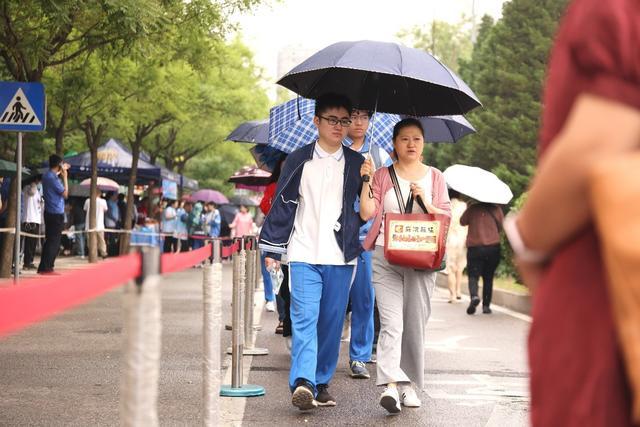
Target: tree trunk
{"x": 60, "y": 131}
{"x": 135, "y": 155}
{"x": 93, "y": 194}
{"x": 9, "y": 238}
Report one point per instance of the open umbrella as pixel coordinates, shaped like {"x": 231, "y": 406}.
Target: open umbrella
{"x": 253, "y": 132}
{"x": 478, "y": 184}
{"x": 380, "y": 76}
{"x": 242, "y": 200}
{"x": 266, "y": 157}
{"x": 8, "y": 169}
{"x": 291, "y": 126}
{"x": 104, "y": 184}
{"x": 208, "y": 195}
{"x": 251, "y": 176}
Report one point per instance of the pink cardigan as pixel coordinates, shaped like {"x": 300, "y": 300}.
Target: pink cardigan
{"x": 382, "y": 183}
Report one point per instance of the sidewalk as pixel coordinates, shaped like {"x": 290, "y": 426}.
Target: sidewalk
{"x": 476, "y": 376}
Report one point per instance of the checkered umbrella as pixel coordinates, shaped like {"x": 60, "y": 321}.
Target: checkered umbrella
{"x": 291, "y": 126}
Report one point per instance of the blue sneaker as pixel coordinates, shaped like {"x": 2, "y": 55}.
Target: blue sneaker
{"x": 359, "y": 369}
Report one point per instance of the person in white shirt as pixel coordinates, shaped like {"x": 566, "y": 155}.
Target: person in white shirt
{"x": 313, "y": 222}
{"x": 101, "y": 208}
{"x": 31, "y": 221}
{"x": 169, "y": 226}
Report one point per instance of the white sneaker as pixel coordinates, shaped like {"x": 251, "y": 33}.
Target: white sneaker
{"x": 409, "y": 397}
{"x": 390, "y": 400}
{"x": 270, "y": 306}
{"x": 287, "y": 344}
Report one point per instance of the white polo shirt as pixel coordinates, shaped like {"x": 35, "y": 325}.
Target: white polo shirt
{"x": 32, "y": 202}
{"x": 319, "y": 206}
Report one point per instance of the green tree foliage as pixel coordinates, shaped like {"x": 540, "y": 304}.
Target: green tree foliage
{"x": 506, "y": 70}
{"x": 450, "y": 43}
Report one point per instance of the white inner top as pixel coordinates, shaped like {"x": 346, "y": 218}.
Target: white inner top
{"x": 390, "y": 201}
{"x": 319, "y": 206}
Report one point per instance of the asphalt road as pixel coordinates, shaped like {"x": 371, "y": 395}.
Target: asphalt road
{"x": 66, "y": 370}
{"x": 476, "y": 375}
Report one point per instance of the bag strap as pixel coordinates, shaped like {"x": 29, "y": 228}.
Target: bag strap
{"x": 408, "y": 207}
{"x": 396, "y": 187}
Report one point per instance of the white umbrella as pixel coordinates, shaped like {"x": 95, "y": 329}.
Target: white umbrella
{"x": 104, "y": 184}
{"x": 478, "y": 184}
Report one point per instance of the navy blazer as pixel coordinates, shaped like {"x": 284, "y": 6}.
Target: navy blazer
{"x": 278, "y": 225}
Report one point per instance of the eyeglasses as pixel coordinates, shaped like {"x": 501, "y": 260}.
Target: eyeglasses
{"x": 362, "y": 117}
{"x": 345, "y": 123}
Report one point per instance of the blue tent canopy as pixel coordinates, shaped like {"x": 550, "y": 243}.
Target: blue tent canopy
{"x": 114, "y": 161}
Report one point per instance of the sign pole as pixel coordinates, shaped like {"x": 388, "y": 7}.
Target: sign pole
{"x": 16, "y": 256}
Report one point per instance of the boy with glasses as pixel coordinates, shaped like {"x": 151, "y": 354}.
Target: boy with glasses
{"x": 313, "y": 221}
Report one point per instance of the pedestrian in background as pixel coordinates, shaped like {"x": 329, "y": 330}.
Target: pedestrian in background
{"x": 101, "y": 209}
{"x": 31, "y": 221}
{"x": 456, "y": 247}
{"x": 484, "y": 221}
{"x": 182, "y": 228}
{"x": 242, "y": 224}
{"x": 403, "y": 294}
{"x": 55, "y": 189}
{"x": 170, "y": 226}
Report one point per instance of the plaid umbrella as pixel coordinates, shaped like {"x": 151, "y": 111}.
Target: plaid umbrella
{"x": 291, "y": 126}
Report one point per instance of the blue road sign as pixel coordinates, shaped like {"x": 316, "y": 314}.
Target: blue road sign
{"x": 23, "y": 107}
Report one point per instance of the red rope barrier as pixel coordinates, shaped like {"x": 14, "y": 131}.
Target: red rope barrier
{"x": 40, "y": 298}
{"x": 171, "y": 263}
{"x": 227, "y": 251}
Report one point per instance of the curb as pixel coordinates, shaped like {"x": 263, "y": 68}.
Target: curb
{"x": 517, "y": 302}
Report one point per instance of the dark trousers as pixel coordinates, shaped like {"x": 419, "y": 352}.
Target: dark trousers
{"x": 53, "y": 223}
{"x": 30, "y": 242}
{"x": 286, "y": 297}
{"x": 482, "y": 261}
{"x": 184, "y": 245}
{"x": 170, "y": 244}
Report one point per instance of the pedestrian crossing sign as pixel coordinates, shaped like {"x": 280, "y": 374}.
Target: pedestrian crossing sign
{"x": 22, "y": 107}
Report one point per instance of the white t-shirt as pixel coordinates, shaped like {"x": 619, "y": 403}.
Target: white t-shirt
{"x": 319, "y": 206}
{"x": 101, "y": 208}
{"x": 32, "y": 211}
{"x": 390, "y": 203}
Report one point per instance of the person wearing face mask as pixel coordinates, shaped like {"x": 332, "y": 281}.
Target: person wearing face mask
{"x": 403, "y": 294}
{"x": 55, "y": 190}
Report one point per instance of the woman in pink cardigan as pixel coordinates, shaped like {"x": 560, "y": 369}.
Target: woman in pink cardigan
{"x": 403, "y": 294}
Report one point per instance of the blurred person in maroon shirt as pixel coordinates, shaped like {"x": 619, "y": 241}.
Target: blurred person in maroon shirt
{"x": 591, "y": 114}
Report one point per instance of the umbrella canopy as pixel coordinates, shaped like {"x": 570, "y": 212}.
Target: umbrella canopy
{"x": 104, "y": 184}
{"x": 208, "y": 195}
{"x": 114, "y": 162}
{"x": 253, "y": 132}
{"x": 380, "y": 76}
{"x": 478, "y": 184}
{"x": 8, "y": 169}
{"x": 267, "y": 158}
{"x": 291, "y": 127}
{"x": 242, "y": 200}
{"x": 251, "y": 176}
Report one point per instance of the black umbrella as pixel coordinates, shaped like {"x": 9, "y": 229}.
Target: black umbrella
{"x": 242, "y": 200}
{"x": 253, "y": 132}
{"x": 386, "y": 77}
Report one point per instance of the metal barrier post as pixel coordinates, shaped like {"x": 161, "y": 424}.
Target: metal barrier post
{"x": 212, "y": 301}
{"x": 142, "y": 332}
{"x": 252, "y": 279}
{"x": 237, "y": 389}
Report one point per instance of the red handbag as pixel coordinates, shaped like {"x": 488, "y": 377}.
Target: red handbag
{"x": 411, "y": 239}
